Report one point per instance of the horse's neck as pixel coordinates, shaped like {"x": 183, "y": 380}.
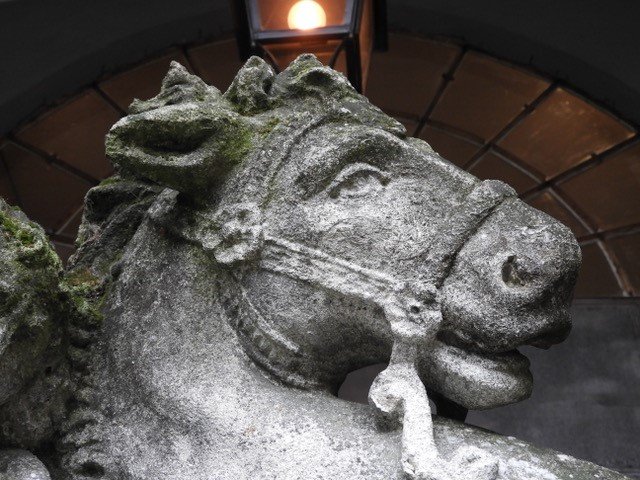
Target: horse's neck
{"x": 178, "y": 361}
{"x": 211, "y": 400}
{"x": 172, "y": 342}
{"x": 195, "y": 375}
{"x": 173, "y": 367}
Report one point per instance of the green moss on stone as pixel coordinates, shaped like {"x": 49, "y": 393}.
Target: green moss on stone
{"x": 110, "y": 181}
{"x": 235, "y": 143}
{"x": 268, "y": 127}
{"x": 28, "y": 241}
{"x": 82, "y": 278}
{"x": 16, "y": 231}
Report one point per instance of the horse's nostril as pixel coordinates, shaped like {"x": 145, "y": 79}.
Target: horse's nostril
{"x": 512, "y": 272}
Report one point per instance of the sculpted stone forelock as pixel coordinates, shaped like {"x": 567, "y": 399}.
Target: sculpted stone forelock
{"x": 255, "y": 247}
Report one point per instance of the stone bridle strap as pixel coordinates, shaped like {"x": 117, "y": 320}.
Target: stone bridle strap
{"x": 413, "y": 312}
{"x": 418, "y": 300}
{"x": 317, "y": 268}
{"x": 461, "y": 225}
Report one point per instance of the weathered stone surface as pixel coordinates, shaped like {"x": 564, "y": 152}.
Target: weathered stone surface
{"x": 21, "y": 465}
{"x": 32, "y": 342}
{"x": 258, "y": 245}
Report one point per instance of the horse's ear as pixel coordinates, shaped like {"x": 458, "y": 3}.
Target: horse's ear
{"x": 307, "y": 80}
{"x": 186, "y": 138}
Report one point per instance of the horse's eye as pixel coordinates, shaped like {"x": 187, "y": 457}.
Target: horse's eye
{"x": 357, "y": 180}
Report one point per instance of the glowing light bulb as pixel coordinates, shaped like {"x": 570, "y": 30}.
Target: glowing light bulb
{"x": 306, "y": 15}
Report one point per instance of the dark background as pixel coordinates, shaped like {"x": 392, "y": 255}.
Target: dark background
{"x": 51, "y": 48}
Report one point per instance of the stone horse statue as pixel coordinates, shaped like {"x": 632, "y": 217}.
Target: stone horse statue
{"x": 253, "y": 249}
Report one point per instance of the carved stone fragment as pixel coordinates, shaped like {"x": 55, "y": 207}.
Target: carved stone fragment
{"x": 253, "y": 248}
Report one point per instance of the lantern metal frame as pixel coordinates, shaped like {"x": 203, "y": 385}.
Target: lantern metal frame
{"x": 253, "y": 40}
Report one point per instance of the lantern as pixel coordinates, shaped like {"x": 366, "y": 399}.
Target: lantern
{"x": 341, "y": 33}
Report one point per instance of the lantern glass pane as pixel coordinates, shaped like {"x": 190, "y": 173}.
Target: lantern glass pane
{"x": 273, "y": 15}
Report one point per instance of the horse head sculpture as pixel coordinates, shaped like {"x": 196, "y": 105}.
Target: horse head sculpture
{"x": 315, "y": 201}
{"x": 258, "y": 245}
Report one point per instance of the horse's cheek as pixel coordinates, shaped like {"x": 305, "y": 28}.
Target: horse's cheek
{"x": 352, "y": 239}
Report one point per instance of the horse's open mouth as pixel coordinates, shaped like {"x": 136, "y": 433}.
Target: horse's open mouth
{"x": 476, "y": 380}
{"x": 505, "y": 356}
{"x": 511, "y": 361}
